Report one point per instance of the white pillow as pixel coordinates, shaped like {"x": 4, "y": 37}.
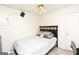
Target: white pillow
{"x": 42, "y": 35}
{"x": 45, "y": 34}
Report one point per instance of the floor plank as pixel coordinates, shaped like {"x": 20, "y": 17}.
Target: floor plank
{"x": 60, "y": 51}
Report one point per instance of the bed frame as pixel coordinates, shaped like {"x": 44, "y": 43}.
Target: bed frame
{"x": 53, "y": 29}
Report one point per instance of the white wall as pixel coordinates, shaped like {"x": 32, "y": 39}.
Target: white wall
{"x": 18, "y": 27}
{"x": 67, "y": 20}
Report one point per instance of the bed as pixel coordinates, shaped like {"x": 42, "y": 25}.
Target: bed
{"x": 37, "y": 45}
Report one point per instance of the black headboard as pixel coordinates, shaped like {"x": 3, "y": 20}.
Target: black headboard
{"x": 53, "y": 29}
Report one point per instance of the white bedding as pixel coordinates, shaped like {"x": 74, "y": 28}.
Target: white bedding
{"x": 34, "y": 45}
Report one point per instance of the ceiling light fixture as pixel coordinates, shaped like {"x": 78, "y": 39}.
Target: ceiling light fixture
{"x": 40, "y": 8}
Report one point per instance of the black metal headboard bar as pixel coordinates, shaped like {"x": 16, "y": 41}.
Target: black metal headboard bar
{"x": 53, "y": 29}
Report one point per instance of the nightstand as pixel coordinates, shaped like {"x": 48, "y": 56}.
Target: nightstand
{"x": 77, "y": 51}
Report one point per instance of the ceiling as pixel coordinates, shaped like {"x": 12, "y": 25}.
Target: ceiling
{"x": 31, "y": 7}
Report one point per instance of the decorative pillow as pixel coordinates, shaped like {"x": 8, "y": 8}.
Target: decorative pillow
{"x": 45, "y": 34}
{"x": 49, "y": 36}
{"x": 42, "y": 35}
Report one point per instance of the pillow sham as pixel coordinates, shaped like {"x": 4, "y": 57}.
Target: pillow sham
{"x": 49, "y": 36}
{"x": 45, "y": 34}
{"x": 40, "y": 34}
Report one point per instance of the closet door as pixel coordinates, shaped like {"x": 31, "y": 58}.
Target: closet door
{"x": 72, "y": 28}
{"x": 68, "y": 29}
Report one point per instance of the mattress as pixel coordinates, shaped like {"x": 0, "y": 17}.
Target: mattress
{"x": 34, "y": 45}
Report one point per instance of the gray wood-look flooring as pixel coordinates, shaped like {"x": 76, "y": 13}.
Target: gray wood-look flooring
{"x": 57, "y": 51}
{"x": 60, "y": 51}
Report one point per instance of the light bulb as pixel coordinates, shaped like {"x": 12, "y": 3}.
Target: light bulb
{"x": 42, "y": 9}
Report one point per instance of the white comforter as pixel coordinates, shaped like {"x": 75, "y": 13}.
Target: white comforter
{"x": 34, "y": 45}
